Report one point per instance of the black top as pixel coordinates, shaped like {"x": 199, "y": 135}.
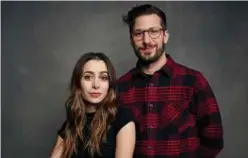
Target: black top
{"x": 123, "y": 116}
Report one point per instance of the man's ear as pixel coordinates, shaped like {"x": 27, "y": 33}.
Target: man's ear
{"x": 166, "y": 36}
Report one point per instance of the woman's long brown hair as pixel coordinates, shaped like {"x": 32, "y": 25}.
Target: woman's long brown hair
{"x": 76, "y": 110}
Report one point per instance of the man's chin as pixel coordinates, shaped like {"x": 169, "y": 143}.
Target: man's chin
{"x": 146, "y": 61}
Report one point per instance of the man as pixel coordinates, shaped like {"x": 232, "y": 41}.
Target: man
{"x": 176, "y": 111}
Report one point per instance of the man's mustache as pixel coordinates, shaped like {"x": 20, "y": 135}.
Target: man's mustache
{"x": 147, "y": 47}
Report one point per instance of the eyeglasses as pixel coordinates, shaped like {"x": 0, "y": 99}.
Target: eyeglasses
{"x": 152, "y": 32}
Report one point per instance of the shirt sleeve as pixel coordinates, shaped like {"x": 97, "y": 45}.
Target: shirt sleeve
{"x": 209, "y": 120}
{"x": 61, "y": 132}
{"x": 123, "y": 117}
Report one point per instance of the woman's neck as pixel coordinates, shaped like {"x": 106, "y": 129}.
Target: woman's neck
{"x": 91, "y": 108}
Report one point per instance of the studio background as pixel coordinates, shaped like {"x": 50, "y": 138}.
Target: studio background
{"x": 41, "y": 42}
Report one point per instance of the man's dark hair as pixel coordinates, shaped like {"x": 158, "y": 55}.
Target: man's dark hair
{"x": 145, "y": 9}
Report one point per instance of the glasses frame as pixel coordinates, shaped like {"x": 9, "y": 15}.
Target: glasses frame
{"x": 149, "y": 31}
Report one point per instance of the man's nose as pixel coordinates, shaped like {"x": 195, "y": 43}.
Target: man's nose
{"x": 146, "y": 38}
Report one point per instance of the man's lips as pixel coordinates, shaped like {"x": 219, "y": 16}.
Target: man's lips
{"x": 147, "y": 48}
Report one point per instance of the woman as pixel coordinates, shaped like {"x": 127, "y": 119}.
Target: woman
{"x": 95, "y": 126}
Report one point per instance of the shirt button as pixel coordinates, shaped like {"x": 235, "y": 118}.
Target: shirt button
{"x": 149, "y": 147}
{"x": 151, "y": 84}
{"x": 150, "y": 105}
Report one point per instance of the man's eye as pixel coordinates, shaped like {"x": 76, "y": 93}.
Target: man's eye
{"x": 137, "y": 33}
{"x": 154, "y": 31}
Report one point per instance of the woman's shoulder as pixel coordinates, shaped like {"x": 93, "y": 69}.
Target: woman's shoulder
{"x": 123, "y": 117}
{"x": 121, "y": 110}
{"x": 124, "y": 113}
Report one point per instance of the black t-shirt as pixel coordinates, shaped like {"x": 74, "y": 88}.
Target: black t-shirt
{"x": 123, "y": 117}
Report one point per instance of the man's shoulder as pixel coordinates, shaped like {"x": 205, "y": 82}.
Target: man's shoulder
{"x": 193, "y": 74}
{"x": 126, "y": 77}
{"x": 181, "y": 69}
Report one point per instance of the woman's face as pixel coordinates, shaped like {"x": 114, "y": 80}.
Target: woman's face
{"x": 95, "y": 81}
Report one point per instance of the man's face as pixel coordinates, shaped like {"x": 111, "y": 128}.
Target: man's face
{"x": 148, "y": 38}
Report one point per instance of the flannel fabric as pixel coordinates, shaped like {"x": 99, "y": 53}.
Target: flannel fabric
{"x": 176, "y": 112}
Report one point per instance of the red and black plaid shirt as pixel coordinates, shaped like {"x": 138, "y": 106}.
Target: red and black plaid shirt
{"x": 176, "y": 112}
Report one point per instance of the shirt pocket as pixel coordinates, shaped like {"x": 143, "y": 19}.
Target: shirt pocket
{"x": 176, "y": 118}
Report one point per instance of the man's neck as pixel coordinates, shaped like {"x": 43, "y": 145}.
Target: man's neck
{"x": 155, "y": 66}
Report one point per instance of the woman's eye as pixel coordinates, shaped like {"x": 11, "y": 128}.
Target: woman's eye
{"x": 104, "y": 78}
{"x": 87, "y": 77}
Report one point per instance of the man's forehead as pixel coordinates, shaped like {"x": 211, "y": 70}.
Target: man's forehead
{"x": 147, "y": 21}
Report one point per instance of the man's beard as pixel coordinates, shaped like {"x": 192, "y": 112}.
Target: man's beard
{"x": 148, "y": 60}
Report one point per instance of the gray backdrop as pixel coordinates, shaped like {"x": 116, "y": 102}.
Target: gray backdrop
{"x": 41, "y": 42}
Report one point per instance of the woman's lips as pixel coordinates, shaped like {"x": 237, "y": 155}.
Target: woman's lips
{"x": 95, "y": 94}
